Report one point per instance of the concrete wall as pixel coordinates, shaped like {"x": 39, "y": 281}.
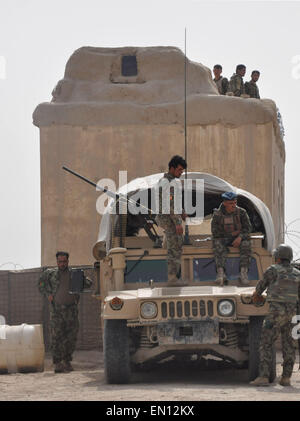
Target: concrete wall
{"x": 21, "y": 302}
{"x": 250, "y": 157}
{"x": 101, "y": 121}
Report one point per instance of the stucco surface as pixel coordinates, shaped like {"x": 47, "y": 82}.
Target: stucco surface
{"x": 100, "y": 122}
{"x": 93, "y": 92}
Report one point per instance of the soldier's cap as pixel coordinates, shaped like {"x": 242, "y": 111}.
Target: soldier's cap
{"x": 229, "y": 195}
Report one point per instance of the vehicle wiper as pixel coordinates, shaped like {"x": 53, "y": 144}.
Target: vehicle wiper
{"x": 146, "y": 253}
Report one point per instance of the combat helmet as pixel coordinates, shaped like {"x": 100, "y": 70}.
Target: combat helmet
{"x": 283, "y": 251}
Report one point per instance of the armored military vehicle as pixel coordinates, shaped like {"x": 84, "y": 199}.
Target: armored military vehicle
{"x": 145, "y": 321}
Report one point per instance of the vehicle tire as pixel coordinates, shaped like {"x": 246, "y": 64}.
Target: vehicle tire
{"x": 116, "y": 351}
{"x": 255, "y": 326}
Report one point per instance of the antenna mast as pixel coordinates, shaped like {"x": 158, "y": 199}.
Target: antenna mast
{"x": 186, "y": 240}
{"x": 185, "y": 131}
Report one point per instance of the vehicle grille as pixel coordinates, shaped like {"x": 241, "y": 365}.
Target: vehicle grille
{"x": 187, "y": 308}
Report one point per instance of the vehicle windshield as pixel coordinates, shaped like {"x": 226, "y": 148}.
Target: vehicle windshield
{"x": 146, "y": 270}
{"x": 204, "y": 270}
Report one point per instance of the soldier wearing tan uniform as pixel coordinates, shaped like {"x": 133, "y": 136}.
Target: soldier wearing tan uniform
{"x": 169, "y": 218}
{"x": 64, "y": 323}
{"x": 220, "y": 81}
{"x": 231, "y": 226}
{"x": 236, "y": 83}
{"x": 282, "y": 282}
{"x": 251, "y": 87}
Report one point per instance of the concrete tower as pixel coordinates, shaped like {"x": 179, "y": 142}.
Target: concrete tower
{"x": 123, "y": 109}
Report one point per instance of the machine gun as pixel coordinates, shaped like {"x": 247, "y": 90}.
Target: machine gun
{"x": 148, "y": 220}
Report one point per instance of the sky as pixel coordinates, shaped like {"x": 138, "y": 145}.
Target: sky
{"x": 37, "y": 37}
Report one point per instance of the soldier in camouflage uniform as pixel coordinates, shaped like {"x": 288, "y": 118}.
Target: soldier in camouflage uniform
{"x": 231, "y": 226}
{"x": 220, "y": 81}
{"x": 282, "y": 282}
{"x": 169, "y": 218}
{"x": 236, "y": 83}
{"x": 251, "y": 88}
{"x": 64, "y": 323}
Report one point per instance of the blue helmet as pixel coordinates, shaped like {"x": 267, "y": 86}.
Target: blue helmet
{"x": 229, "y": 195}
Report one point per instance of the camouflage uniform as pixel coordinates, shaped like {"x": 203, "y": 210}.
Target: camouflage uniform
{"x": 282, "y": 282}
{"x": 225, "y": 228}
{"x": 236, "y": 85}
{"x": 222, "y": 85}
{"x": 168, "y": 222}
{"x": 251, "y": 89}
{"x": 64, "y": 323}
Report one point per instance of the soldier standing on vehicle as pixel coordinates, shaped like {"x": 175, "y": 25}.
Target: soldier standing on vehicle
{"x": 231, "y": 226}
{"x": 282, "y": 282}
{"x": 220, "y": 81}
{"x": 64, "y": 323}
{"x": 251, "y": 88}
{"x": 170, "y": 220}
{"x": 236, "y": 83}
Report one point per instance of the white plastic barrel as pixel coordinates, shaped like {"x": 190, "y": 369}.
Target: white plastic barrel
{"x": 21, "y": 348}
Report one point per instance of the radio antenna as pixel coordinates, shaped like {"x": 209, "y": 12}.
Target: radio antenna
{"x": 186, "y": 240}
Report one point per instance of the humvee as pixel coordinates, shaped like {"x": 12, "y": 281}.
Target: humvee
{"x": 146, "y": 321}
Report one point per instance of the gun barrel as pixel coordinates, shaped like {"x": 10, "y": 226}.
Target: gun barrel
{"x": 79, "y": 176}
{"x": 108, "y": 192}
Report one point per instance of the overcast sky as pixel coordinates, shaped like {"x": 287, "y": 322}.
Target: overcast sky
{"x": 37, "y": 37}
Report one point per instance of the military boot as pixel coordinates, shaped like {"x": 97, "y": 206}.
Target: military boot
{"x": 68, "y": 366}
{"x": 260, "y": 381}
{"x": 59, "y": 368}
{"x": 244, "y": 276}
{"x": 172, "y": 281}
{"x": 175, "y": 282}
{"x": 182, "y": 282}
{"x": 285, "y": 381}
{"x": 220, "y": 276}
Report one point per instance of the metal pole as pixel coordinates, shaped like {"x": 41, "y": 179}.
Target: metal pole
{"x": 185, "y": 130}
{"x": 186, "y": 240}
{"x": 117, "y": 197}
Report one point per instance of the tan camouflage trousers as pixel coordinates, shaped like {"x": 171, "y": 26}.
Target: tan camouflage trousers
{"x": 64, "y": 325}
{"x": 174, "y": 251}
{"x": 221, "y": 250}
{"x": 278, "y": 321}
{"x": 174, "y": 244}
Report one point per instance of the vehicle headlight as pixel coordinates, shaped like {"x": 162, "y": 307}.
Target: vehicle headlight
{"x": 148, "y": 310}
{"x": 226, "y": 308}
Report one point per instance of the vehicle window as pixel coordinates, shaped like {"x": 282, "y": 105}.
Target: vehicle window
{"x": 146, "y": 270}
{"x": 205, "y": 269}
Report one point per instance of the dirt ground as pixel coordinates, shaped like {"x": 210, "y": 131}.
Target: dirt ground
{"x": 86, "y": 383}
